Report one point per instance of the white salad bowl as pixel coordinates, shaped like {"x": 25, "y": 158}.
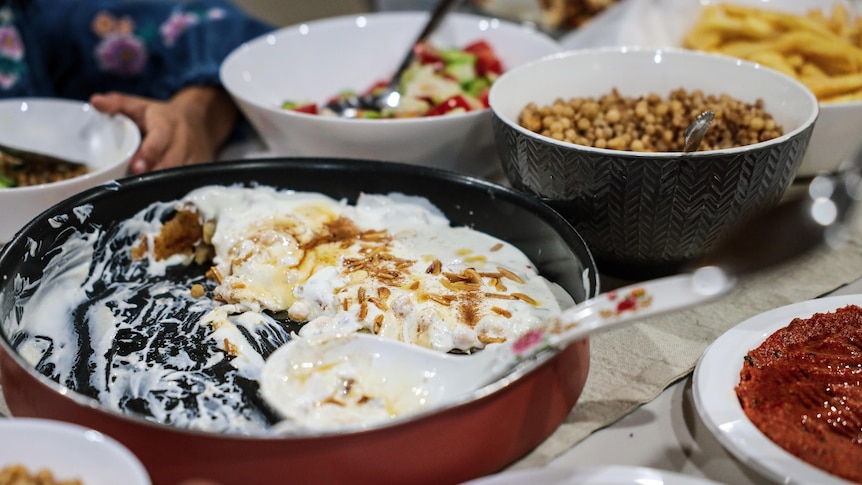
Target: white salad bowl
{"x": 312, "y": 62}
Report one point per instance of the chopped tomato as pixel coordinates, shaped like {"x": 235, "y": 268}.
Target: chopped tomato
{"x": 483, "y": 97}
{"x": 449, "y": 105}
{"x": 426, "y": 53}
{"x": 309, "y": 108}
{"x": 486, "y": 60}
{"x": 460, "y": 76}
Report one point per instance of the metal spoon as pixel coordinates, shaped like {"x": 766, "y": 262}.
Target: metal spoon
{"x": 695, "y": 131}
{"x": 28, "y": 156}
{"x": 349, "y": 107}
{"x": 443, "y": 379}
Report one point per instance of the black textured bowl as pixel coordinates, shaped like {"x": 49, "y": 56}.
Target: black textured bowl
{"x": 646, "y": 214}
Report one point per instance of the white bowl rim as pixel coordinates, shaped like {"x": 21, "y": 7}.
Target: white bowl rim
{"x": 674, "y": 51}
{"x": 128, "y": 460}
{"x": 384, "y": 15}
{"x": 120, "y": 118}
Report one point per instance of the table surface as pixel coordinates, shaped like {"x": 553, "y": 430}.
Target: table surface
{"x": 664, "y": 434}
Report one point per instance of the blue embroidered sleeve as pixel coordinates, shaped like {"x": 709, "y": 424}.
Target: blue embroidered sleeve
{"x": 74, "y": 48}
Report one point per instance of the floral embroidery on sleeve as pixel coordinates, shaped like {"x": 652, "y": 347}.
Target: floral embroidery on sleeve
{"x": 181, "y": 21}
{"x": 12, "y": 64}
{"x": 123, "y": 48}
{"x": 120, "y": 51}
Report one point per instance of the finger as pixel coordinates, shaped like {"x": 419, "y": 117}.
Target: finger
{"x": 116, "y": 103}
{"x": 139, "y": 165}
{"x": 154, "y": 149}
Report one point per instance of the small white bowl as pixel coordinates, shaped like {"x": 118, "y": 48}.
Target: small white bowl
{"x": 664, "y": 23}
{"x": 316, "y": 60}
{"x": 68, "y": 129}
{"x": 69, "y": 452}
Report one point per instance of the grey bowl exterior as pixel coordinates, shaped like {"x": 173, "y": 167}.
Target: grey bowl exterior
{"x": 648, "y": 215}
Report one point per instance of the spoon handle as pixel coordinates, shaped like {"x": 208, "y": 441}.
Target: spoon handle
{"x": 634, "y": 302}
{"x": 29, "y": 156}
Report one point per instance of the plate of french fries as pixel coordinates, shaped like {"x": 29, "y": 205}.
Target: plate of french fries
{"x": 821, "y": 47}
{"x": 817, "y": 42}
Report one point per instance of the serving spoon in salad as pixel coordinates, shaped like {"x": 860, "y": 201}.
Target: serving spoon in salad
{"x": 389, "y": 96}
{"x": 779, "y": 233}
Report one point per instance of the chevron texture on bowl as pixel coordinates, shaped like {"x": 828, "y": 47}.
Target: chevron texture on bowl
{"x": 648, "y": 213}
{"x": 644, "y": 214}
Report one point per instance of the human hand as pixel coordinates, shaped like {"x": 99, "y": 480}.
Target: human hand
{"x": 188, "y": 128}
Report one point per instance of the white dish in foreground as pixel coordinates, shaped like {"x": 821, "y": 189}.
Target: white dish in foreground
{"x": 69, "y": 451}
{"x": 599, "y": 475}
{"x": 717, "y": 374}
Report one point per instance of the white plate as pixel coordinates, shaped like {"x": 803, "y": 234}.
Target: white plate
{"x": 599, "y": 475}
{"x": 717, "y": 374}
{"x": 69, "y": 451}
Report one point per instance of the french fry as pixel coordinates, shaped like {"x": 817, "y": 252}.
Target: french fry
{"x": 821, "y": 48}
{"x": 774, "y": 60}
{"x": 844, "y": 98}
{"x": 835, "y": 85}
{"x": 811, "y": 70}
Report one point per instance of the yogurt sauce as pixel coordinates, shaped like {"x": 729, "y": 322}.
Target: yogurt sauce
{"x": 386, "y": 265}
{"x": 128, "y": 332}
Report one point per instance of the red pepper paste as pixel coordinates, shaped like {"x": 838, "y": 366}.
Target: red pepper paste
{"x": 802, "y": 387}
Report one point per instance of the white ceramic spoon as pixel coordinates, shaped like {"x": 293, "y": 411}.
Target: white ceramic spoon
{"x": 441, "y": 378}
{"x": 400, "y": 378}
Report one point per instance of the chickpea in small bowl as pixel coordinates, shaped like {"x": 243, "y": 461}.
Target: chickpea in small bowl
{"x": 597, "y": 134}
{"x": 102, "y": 145}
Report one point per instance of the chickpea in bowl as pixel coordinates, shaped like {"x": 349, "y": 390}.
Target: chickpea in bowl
{"x": 647, "y": 213}
{"x": 650, "y": 123}
{"x": 18, "y": 172}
